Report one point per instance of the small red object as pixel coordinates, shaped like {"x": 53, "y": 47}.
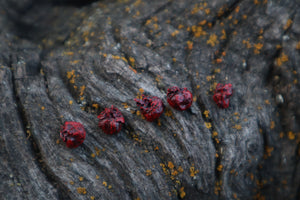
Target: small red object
{"x": 151, "y": 107}
{"x": 111, "y": 120}
{"x": 73, "y": 134}
{"x": 222, "y": 94}
{"x": 179, "y": 98}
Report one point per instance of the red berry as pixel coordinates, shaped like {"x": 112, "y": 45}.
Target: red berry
{"x": 179, "y": 98}
{"x": 111, "y": 120}
{"x": 151, "y": 107}
{"x": 222, "y": 94}
{"x": 73, "y": 134}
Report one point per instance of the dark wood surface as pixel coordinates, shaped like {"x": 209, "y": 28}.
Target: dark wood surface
{"x": 68, "y": 60}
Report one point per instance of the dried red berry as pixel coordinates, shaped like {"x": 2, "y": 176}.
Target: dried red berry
{"x": 111, "y": 120}
{"x": 73, "y": 134}
{"x": 222, "y": 94}
{"x": 179, "y": 98}
{"x": 151, "y": 107}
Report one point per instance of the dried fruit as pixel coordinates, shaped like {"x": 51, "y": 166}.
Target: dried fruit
{"x": 73, "y": 134}
{"x": 222, "y": 94}
{"x": 151, "y": 107}
{"x": 179, "y": 98}
{"x": 111, "y": 120}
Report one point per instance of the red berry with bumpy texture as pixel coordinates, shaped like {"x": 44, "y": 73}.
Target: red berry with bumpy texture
{"x": 73, "y": 134}
{"x": 179, "y": 98}
{"x": 151, "y": 107}
{"x": 222, "y": 94}
{"x": 111, "y": 120}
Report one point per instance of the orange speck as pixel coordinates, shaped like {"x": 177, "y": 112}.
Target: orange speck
{"x": 70, "y": 102}
{"x": 291, "y": 135}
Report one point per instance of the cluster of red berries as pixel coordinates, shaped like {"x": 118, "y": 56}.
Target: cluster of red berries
{"x": 152, "y": 107}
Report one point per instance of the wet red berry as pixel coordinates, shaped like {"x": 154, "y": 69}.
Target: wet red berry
{"x": 73, "y": 134}
{"x": 222, "y": 94}
{"x": 111, "y": 120}
{"x": 151, "y": 107}
{"x": 179, "y": 98}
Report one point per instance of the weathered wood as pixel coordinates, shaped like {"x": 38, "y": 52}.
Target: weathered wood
{"x": 63, "y": 61}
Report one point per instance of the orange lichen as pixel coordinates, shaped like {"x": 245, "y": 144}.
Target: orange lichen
{"x": 291, "y": 135}
{"x": 193, "y": 172}
{"x": 208, "y": 125}
{"x": 213, "y": 40}
{"x": 181, "y": 192}
{"x": 81, "y": 190}
{"x": 257, "y": 48}
{"x": 237, "y": 127}
{"x": 198, "y": 31}
{"x": 148, "y": 172}
{"x": 282, "y": 59}
{"x": 298, "y": 46}
{"x": 272, "y": 125}
{"x": 189, "y": 45}
{"x": 220, "y": 168}
{"x": 288, "y": 24}
{"x": 206, "y": 112}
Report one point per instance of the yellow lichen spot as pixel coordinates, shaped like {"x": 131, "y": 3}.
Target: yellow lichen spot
{"x": 220, "y": 168}
{"x": 208, "y": 78}
{"x": 141, "y": 90}
{"x": 288, "y": 24}
{"x": 267, "y": 102}
{"x": 207, "y": 124}
{"x": 256, "y": 2}
{"x": 272, "y": 125}
{"x": 70, "y": 53}
{"x": 203, "y": 22}
{"x": 132, "y": 69}
{"x": 180, "y": 26}
{"x": 234, "y": 195}
{"x": 245, "y": 16}
{"x": 193, "y": 172}
{"x": 198, "y": 86}
{"x": 291, "y": 135}
{"x": 116, "y": 57}
{"x": 156, "y": 148}
{"x": 70, "y": 102}
{"x": 57, "y": 141}
{"x": 247, "y": 43}
{"x": 213, "y": 40}
{"x": 180, "y": 169}
{"x": 148, "y": 172}
{"x": 42, "y": 108}
{"x": 170, "y": 165}
{"x": 283, "y": 58}
{"x": 80, "y": 178}
{"x": 182, "y": 192}
{"x": 268, "y": 151}
{"x": 198, "y": 31}
{"x": 206, "y": 112}
{"x": 189, "y": 45}
{"x": 232, "y": 171}
{"x": 93, "y": 155}
{"x": 298, "y": 46}
{"x": 82, "y": 88}
{"x": 74, "y": 62}
{"x": 257, "y": 48}
{"x": 295, "y": 81}
{"x": 168, "y": 113}
{"x": 237, "y": 127}
{"x": 224, "y": 36}
{"x": 71, "y": 182}
{"x": 174, "y": 33}
{"x": 174, "y": 59}
{"x": 207, "y": 11}
{"x": 214, "y": 134}
{"x": 104, "y": 183}
{"x": 194, "y": 99}
{"x": 81, "y": 190}
{"x": 97, "y": 177}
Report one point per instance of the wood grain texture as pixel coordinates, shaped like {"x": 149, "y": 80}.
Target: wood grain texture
{"x": 62, "y": 61}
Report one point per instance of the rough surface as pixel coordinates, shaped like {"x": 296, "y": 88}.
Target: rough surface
{"x": 63, "y": 60}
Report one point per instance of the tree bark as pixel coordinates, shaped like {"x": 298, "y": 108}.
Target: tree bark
{"x": 68, "y": 60}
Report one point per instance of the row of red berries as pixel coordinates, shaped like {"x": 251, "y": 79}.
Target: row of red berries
{"x": 152, "y": 107}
